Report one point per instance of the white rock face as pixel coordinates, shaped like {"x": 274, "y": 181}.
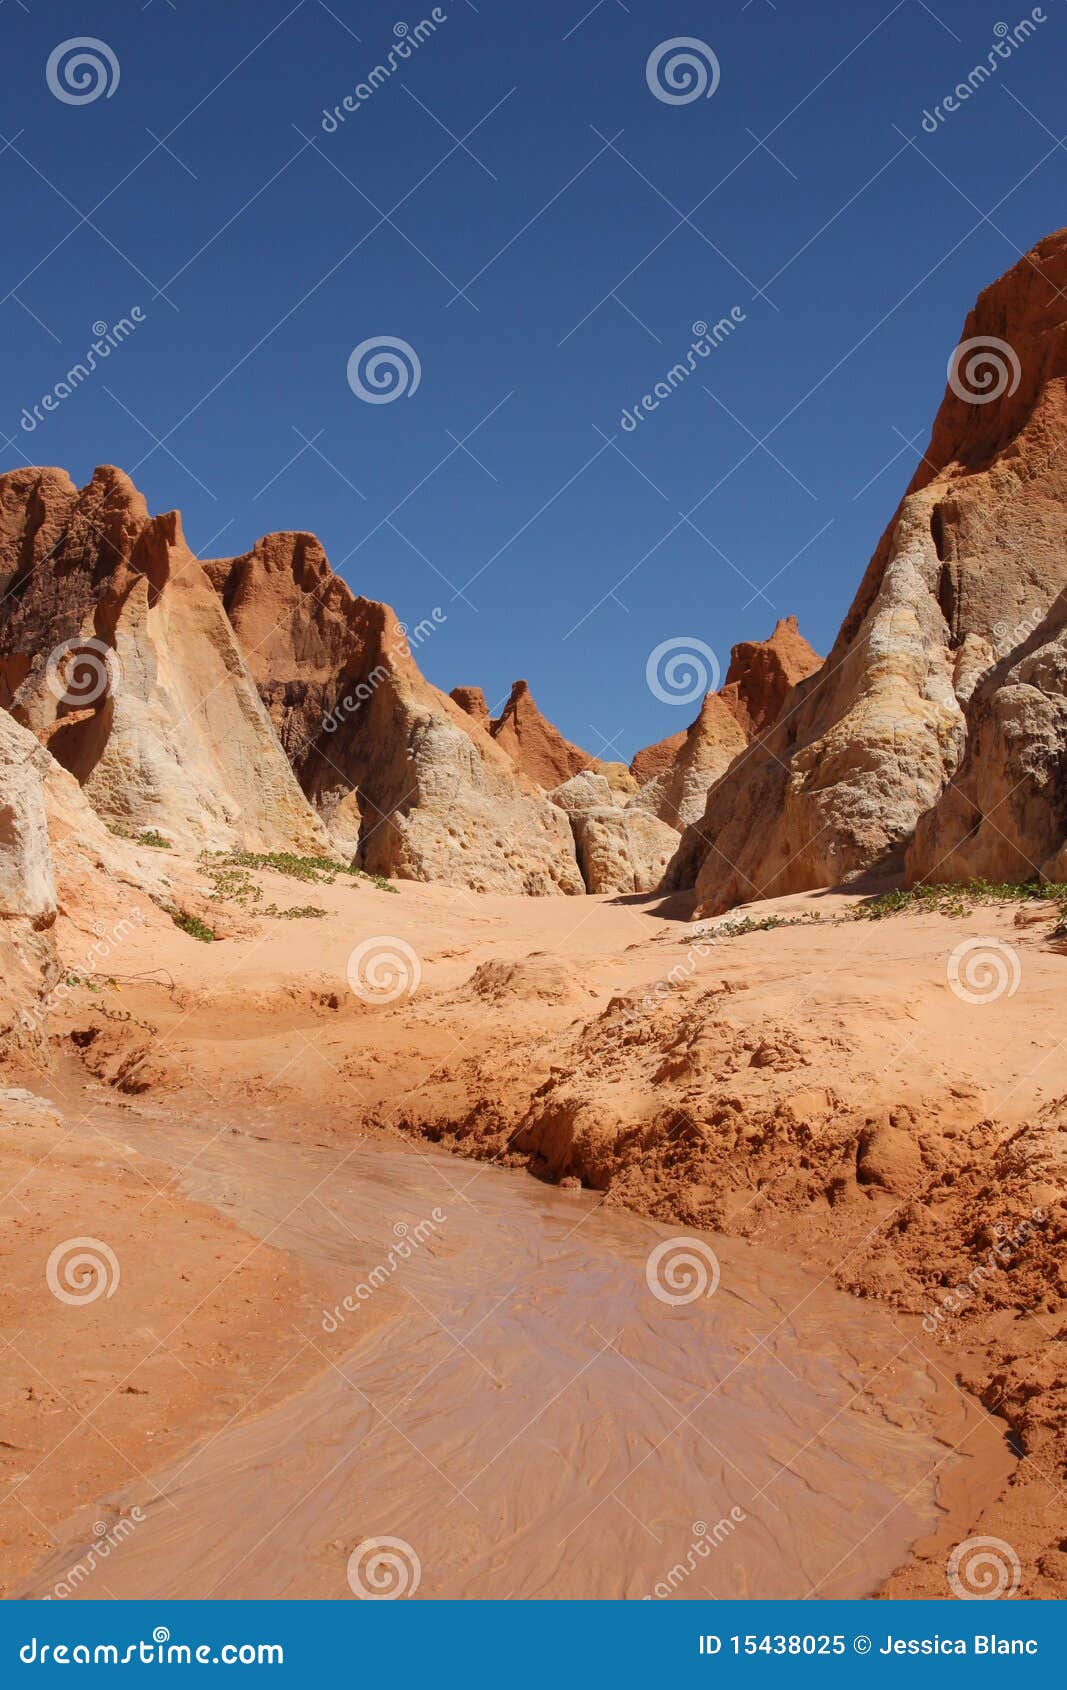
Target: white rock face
{"x": 456, "y": 812}
{"x": 27, "y": 880}
{"x": 27, "y": 892}
{"x": 1003, "y": 816}
{"x": 583, "y": 792}
{"x": 623, "y": 850}
{"x": 620, "y": 849}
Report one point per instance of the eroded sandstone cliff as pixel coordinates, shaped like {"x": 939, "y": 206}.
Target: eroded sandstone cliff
{"x": 116, "y": 653}
{"x": 393, "y": 765}
{"x": 677, "y": 773}
{"x": 941, "y": 707}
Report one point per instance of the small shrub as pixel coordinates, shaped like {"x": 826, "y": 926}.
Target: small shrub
{"x": 762, "y": 924}
{"x": 192, "y": 925}
{"x": 958, "y": 900}
{"x": 380, "y": 882}
{"x": 148, "y": 837}
{"x": 235, "y": 884}
{"x": 319, "y": 871}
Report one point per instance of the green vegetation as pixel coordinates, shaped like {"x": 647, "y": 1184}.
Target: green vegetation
{"x": 319, "y": 871}
{"x": 192, "y": 925}
{"x": 148, "y": 837}
{"x": 233, "y": 885}
{"x": 296, "y": 912}
{"x": 939, "y": 899}
{"x": 761, "y": 924}
{"x": 960, "y": 900}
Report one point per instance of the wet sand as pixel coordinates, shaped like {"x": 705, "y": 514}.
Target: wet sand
{"x": 512, "y": 1401}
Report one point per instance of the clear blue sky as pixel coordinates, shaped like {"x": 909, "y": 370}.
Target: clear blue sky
{"x": 262, "y": 250}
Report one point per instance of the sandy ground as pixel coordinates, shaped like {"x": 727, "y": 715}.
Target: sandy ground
{"x": 822, "y": 1089}
{"x": 195, "y": 1329}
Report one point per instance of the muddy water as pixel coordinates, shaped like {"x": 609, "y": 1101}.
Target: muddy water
{"x": 514, "y": 1402}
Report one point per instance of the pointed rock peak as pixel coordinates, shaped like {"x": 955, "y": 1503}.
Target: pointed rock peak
{"x": 295, "y": 552}
{"x": 760, "y": 675}
{"x": 472, "y": 701}
{"x": 297, "y": 620}
{"x": 534, "y": 745}
{"x": 1011, "y": 348}
{"x": 762, "y": 672}
{"x": 276, "y": 562}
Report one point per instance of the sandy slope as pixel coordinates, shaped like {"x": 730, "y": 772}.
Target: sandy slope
{"x": 818, "y": 1089}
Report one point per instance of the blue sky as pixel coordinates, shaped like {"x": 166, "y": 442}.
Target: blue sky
{"x": 517, "y": 205}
